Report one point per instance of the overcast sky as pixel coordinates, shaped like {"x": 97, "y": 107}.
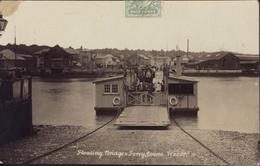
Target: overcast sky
{"x": 210, "y": 26}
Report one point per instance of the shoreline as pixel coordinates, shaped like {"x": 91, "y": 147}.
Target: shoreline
{"x": 193, "y": 128}
{"x": 110, "y": 138}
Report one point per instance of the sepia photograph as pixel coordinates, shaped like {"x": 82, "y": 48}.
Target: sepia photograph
{"x": 131, "y": 82}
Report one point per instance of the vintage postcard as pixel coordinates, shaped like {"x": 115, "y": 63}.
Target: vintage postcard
{"x": 135, "y": 82}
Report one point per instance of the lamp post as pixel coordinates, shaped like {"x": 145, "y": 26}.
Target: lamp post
{"x": 3, "y": 22}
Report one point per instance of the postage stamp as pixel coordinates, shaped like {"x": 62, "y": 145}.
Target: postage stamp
{"x": 142, "y": 8}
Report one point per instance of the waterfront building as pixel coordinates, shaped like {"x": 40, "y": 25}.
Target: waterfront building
{"x": 39, "y": 58}
{"x": 75, "y": 56}
{"x": 138, "y": 60}
{"x": 87, "y": 59}
{"x": 249, "y": 62}
{"x": 216, "y": 61}
{"x": 55, "y": 60}
{"x": 159, "y": 61}
{"x": 8, "y": 59}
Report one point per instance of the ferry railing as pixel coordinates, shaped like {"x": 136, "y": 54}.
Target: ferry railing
{"x": 145, "y": 98}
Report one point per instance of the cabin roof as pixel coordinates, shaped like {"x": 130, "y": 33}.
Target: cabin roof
{"x": 108, "y": 79}
{"x": 183, "y": 78}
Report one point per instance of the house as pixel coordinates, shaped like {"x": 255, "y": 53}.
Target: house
{"x": 29, "y": 62}
{"x": 138, "y": 60}
{"x": 159, "y": 61}
{"x": 9, "y": 60}
{"x": 75, "y": 55}
{"x": 248, "y": 62}
{"x": 56, "y": 59}
{"x": 86, "y": 59}
{"x": 112, "y": 61}
{"x": 107, "y": 61}
{"x": 39, "y": 58}
{"x": 216, "y": 61}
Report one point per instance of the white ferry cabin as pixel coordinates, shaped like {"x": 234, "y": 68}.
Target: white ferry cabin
{"x": 109, "y": 93}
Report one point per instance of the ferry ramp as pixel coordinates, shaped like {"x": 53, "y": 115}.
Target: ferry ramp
{"x": 146, "y": 115}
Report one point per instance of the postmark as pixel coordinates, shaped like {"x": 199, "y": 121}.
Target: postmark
{"x": 142, "y": 8}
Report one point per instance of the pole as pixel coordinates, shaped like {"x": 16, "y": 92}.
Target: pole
{"x": 178, "y": 61}
{"x": 187, "y": 48}
{"x": 15, "y": 60}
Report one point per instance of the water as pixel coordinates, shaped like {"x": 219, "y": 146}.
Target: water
{"x": 225, "y": 103}
{"x": 229, "y": 104}
{"x": 64, "y": 102}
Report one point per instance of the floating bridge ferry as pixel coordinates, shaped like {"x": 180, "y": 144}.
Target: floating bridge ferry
{"x": 138, "y": 100}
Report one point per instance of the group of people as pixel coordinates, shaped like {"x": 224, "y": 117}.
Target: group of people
{"x": 142, "y": 80}
{"x": 159, "y": 86}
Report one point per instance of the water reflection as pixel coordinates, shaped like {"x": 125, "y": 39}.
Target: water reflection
{"x": 225, "y": 104}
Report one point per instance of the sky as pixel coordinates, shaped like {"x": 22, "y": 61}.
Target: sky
{"x": 209, "y": 26}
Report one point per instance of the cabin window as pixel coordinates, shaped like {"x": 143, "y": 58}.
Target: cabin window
{"x": 107, "y": 88}
{"x": 181, "y": 89}
{"x": 114, "y": 88}
{"x": 111, "y": 88}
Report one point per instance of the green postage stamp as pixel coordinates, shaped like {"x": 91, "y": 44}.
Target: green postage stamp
{"x": 142, "y": 8}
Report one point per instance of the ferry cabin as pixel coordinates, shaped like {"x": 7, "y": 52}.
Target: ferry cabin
{"x": 182, "y": 94}
{"x": 110, "y": 94}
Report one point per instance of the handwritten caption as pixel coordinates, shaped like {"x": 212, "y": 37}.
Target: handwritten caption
{"x": 131, "y": 153}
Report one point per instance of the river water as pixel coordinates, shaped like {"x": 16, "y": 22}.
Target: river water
{"x": 230, "y": 104}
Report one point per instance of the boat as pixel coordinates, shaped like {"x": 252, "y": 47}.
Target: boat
{"x": 134, "y": 92}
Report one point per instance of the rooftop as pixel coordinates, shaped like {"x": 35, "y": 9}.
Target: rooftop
{"x": 9, "y": 55}
{"x": 42, "y": 51}
{"x": 183, "y": 78}
{"x": 108, "y": 79}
